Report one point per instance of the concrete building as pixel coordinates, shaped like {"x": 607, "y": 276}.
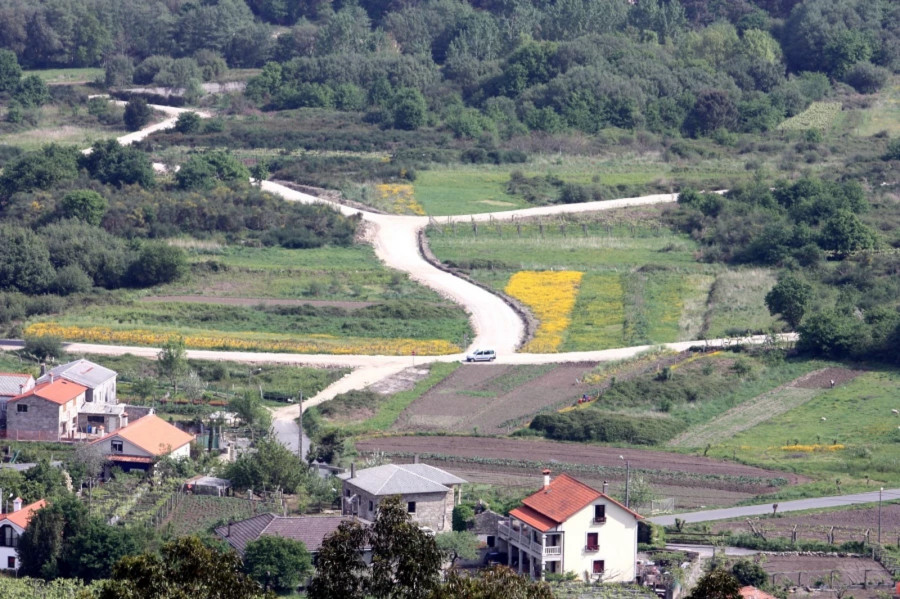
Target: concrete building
{"x": 11, "y": 385}
{"x": 12, "y": 525}
{"x": 140, "y": 444}
{"x": 569, "y": 527}
{"x": 429, "y": 493}
{"x": 99, "y": 381}
{"x": 48, "y": 412}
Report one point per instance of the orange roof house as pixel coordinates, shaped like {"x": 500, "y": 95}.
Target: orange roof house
{"x": 568, "y": 526}
{"x": 47, "y": 412}
{"x": 145, "y": 440}
{"x": 12, "y": 525}
{"x": 59, "y": 391}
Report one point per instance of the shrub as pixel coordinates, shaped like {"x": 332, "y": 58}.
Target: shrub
{"x": 462, "y": 515}
{"x": 85, "y": 205}
{"x": 44, "y": 347}
{"x": 866, "y": 78}
{"x": 137, "y": 113}
{"x": 157, "y": 264}
{"x": 188, "y": 122}
{"x": 71, "y": 279}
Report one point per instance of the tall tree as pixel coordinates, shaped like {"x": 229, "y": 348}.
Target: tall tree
{"x": 10, "y": 71}
{"x": 498, "y": 582}
{"x": 718, "y": 584}
{"x": 789, "y": 297}
{"x": 340, "y": 569}
{"x": 277, "y": 562}
{"x": 171, "y": 362}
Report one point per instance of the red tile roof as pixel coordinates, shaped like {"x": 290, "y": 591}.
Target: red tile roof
{"x": 751, "y": 592}
{"x": 533, "y": 519}
{"x": 59, "y": 391}
{"x": 152, "y": 434}
{"x": 563, "y": 498}
{"x": 24, "y": 515}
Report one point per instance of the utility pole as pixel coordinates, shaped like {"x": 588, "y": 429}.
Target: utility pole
{"x": 300, "y": 423}
{"x": 880, "y": 491}
{"x": 627, "y": 481}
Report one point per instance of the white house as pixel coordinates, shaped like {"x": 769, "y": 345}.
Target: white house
{"x": 142, "y": 442}
{"x": 12, "y": 525}
{"x": 11, "y": 385}
{"x": 568, "y": 526}
{"x": 99, "y": 380}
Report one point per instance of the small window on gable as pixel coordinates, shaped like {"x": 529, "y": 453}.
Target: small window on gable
{"x": 20, "y": 408}
{"x": 371, "y": 506}
{"x": 116, "y": 446}
{"x": 411, "y": 507}
{"x": 599, "y": 513}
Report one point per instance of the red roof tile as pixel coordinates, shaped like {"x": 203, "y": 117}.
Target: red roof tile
{"x": 533, "y": 519}
{"x": 23, "y": 516}
{"x": 59, "y": 391}
{"x": 565, "y": 497}
{"x": 152, "y": 434}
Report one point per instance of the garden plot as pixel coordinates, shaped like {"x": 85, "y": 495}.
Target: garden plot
{"x": 768, "y": 405}
{"x": 845, "y": 524}
{"x": 816, "y": 571}
{"x": 199, "y": 514}
{"x": 491, "y": 398}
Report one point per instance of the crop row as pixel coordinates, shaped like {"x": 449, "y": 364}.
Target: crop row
{"x": 551, "y": 295}
{"x": 246, "y": 341}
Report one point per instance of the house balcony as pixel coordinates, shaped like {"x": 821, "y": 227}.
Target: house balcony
{"x": 523, "y": 540}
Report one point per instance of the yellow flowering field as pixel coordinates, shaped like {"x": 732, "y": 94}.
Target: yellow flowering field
{"x": 400, "y": 198}
{"x": 812, "y": 448}
{"x": 248, "y": 341}
{"x": 599, "y": 313}
{"x": 551, "y": 296}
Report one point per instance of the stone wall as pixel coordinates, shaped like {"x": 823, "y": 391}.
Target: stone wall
{"x": 434, "y": 510}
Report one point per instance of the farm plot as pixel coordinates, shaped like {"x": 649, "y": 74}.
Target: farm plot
{"x": 518, "y": 455}
{"x": 493, "y": 398}
{"x": 769, "y": 405}
{"x": 845, "y": 524}
{"x": 816, "y": 571}
{"x": 199, "y": 514}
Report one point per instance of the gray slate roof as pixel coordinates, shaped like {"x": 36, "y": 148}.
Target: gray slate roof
{"x": 310, "y": 530}
{"x": 9, "y": 383}
{"x": 82, "y": 372}
{"x": 402, "y": 479}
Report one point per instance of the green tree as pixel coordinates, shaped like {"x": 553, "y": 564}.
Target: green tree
{"x": 43, "y": 347}
{"x": 118, "y": 71}
{"x": 831, "y": 334}
{"x": 114, "y": 164}
{"x": 271, "y": 466}
{"x": 789, "y": 298}
{"x": 462, "y": 515}
{"x": 718, "y": 584}
{"x": 750, "y": 573}
{"x": 409, "y": 109}
{"x": 10, "y": 71}
{"x": 184, "y": 569}
{"x": 40, "y": 169}
{"x": 42, "y": 544}
{"x": 714, "y": 109}
{"x": 188, "y": 122}
{"x": 498, "y": 582}
{"x": 85, "y": 205}
{"x": 24, "y": 260}
{"x": 893, "y": 150}
{"x": 340, "y": 569}
{"x": 250, "y": 410}
{"x": 137, "y": 114}
{"x": 278, "y": 563}
{"x": 156, "y": 264}
{"x": 457, "y": 545}
{"x": 844, "y": 233}
{"x": 171, "y": 362}
{"x": 205, "y": 171}
{"x": 32, "y": 92}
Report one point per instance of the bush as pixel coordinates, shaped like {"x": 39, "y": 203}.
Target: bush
{"x": 71, "y": 279}
{"x": 866, "y": 78}
{"x": 44, "y": 347}
{"x": 893, "y": 150}
{"x": 84, "y": 205}
{"x": 188, "y": 122}
{"x": 137, "y": 113}
{"x": 462, "y": 515}
{"x": 157, "y": 264}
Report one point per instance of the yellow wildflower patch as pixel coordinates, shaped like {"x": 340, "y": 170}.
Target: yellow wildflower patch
{"x": 400, "y": 198}
{"x": 812, "y": 448}
{"x": 551, "y": 295}
{"x": 247, "y": 341}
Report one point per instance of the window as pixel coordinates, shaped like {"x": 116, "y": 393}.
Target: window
{"x": 11, "y": 562}
{"x": 411, "y": 507}
{"x": 8, "y": 537}
{"x": 20, "y": 408}
{"x": 599, "y": 513}
{"x": 347, "y": 492}
{"x": 599, "y": 566}
{"x": 491, "y": 540}
{"x": 116, "y": 446}
{"x": 96, "y": 420}
{"x": 371, "y": 506}
{"x": 593, "y": 541}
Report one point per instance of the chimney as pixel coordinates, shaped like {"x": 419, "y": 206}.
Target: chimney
{"x": 43, "y": 369}
{"x": 17, "y": 504}
{"x": 51, "y": 377}
{"x": 605, "y": 486}
{"x": 352, "y": 469}
{"x": 546, "y": 478}
{"x": 21, "y": 389}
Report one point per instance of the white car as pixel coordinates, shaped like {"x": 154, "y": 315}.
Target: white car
{"x": 481, "y": 355}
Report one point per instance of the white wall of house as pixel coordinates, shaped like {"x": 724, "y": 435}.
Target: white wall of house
{"x": 105, "y": 392}
{"x": 129, "y": 448}
{"x": 9, "y": 557}
{"x": 617, "y": 542}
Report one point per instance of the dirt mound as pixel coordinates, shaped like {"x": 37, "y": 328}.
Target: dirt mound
{"x": 822, "y": 379}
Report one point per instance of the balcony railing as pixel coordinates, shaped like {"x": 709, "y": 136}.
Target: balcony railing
{"x": 523, "y": 539}
{"x": 591, "y": 548}
{"x": 600, "y": 520}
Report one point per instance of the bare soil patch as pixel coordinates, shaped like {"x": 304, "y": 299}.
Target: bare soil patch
{"x": 404, "y": 380}
{"x": 805, "y": 570}
{"x": 494, "y": 398}
{"x": 821, "y": 379}
{"x": 656, "y": 466}
{"x": 254, "y": 301}
{"x": 849, "y": 525}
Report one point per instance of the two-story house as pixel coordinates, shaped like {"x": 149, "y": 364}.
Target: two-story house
{"x": 99, "y": 380}
{"x": 12, "y": 525}
{"x": 11, "y": 385}
{"x": 47, "y": 412}
{"x": 140, "y": 444}
{"x": 568, "y": 526}
{"x": 429, "y": 493}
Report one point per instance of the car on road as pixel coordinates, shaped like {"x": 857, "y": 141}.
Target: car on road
{"x": 481, "y": 355}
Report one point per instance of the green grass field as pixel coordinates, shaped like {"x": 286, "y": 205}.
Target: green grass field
{"x": 884, "y": 115}
{"x": 68, "y": 76}
{"x": 641, "y": 284}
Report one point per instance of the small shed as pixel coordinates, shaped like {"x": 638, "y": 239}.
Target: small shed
{"x": 208, "y": 485}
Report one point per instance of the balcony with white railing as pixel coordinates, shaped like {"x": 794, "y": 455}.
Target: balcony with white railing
{"x": 523, "y": 539}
